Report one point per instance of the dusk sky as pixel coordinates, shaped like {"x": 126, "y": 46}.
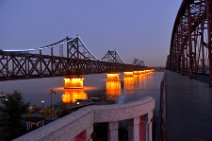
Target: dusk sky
{"x": 135, "y": 28}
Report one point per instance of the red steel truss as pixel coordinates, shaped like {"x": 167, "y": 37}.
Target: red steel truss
{"x": 191, "y": 42}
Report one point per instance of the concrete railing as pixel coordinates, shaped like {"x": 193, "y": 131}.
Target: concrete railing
{"x": 69, "y": 127}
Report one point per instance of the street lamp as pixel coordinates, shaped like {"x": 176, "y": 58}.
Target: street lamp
{"x": 42, "y": 101}
{"x": 52, "y": 92}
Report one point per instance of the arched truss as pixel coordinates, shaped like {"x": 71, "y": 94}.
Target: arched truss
{"x": 191, "y": 41}
{"x": 136, "y": 61}
{"x": 113, "y": 57}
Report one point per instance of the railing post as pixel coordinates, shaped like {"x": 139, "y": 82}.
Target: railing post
{"x": 136, "y": 129}
{"x": 149, "y": 127}
{"x": 113, "y": 131}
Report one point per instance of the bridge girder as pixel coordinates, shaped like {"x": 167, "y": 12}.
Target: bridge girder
{"x": 66, "y": 57}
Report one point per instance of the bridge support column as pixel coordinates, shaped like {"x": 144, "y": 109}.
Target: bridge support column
{"x": 113, "y": 131}
{"x": 142, "y": 72}
{"x": 72, "y": 82}
{"x": 113, "y": 76}
{"x": 128, "y": 74}
{"x": 147, "y": 71}
{"x": 136, "y": 72}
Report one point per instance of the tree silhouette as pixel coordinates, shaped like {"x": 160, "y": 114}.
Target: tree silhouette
{"x": 14, "y": 107}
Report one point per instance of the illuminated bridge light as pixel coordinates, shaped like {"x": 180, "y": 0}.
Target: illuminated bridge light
{"x": 73, "y": 82}
{"x": 72, "y": 95}
{"x": 128, "y": 74}
{"x": 152, "y": 70}
{"x": 136, "y": 72}
{"x": 148, "y": 71}
{"x": 113, "y": 77}
{"x": 139, "y": 72}
{"x": 142, "y": 72}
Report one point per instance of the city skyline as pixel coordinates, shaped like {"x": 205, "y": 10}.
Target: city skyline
{"x": 136, "y": 29}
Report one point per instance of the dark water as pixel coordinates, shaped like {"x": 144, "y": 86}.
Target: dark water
{"x": 124, "y": 90}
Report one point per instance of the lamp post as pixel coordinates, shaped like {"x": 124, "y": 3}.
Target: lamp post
{"x": 52, "y": 92}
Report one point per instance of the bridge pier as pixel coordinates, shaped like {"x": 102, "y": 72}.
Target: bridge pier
{"x": 140, "y": 72}
{"x": 73, "y": 82}
{"x": 128, "y": 74}
{"x": 113, "y": 77}
{"x": 136, "y": 72}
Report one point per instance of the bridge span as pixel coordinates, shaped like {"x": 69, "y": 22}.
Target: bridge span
{"x": 191, "y": 41}
{"x": 66, "y": 57}
{"x": 186, "y": 103}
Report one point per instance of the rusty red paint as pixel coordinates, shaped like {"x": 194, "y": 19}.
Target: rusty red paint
{"x": 142, "y": 129}
{"x": 81, "y": 136}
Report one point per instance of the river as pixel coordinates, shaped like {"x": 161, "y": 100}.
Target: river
{"x": 124, "y": 90}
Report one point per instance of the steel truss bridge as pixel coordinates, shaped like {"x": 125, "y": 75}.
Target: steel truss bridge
{"x": 66, "y": 57}
{"x": 191, "y": 42}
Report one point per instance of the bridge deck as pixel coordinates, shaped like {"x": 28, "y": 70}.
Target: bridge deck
{"x": 189, "y": 109}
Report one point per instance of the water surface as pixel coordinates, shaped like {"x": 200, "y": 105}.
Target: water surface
{"x": 124, "y": 90}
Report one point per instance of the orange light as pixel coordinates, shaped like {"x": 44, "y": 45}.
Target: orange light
{"x": 142, "y": 72}
{"x": 147, "y": 71}
{"x": 150, "y": 70}
{"x": 73, "y": 83}
{"x": 129, "y": 84}
{"x": 112, "y": 77}
{"x": 136, "y": 72}
{"x": 128, "y": 74}
{"x": 72, "y": 95}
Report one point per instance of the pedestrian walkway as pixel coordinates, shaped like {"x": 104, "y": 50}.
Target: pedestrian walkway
{"x": 189, "y": 108}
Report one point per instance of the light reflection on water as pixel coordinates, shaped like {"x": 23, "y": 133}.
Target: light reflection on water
{"x": 113, "y": 89}
{"x": 129, "y": 84}
{"x": 123, "y": 90}
{"x": 72, "y": 95}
